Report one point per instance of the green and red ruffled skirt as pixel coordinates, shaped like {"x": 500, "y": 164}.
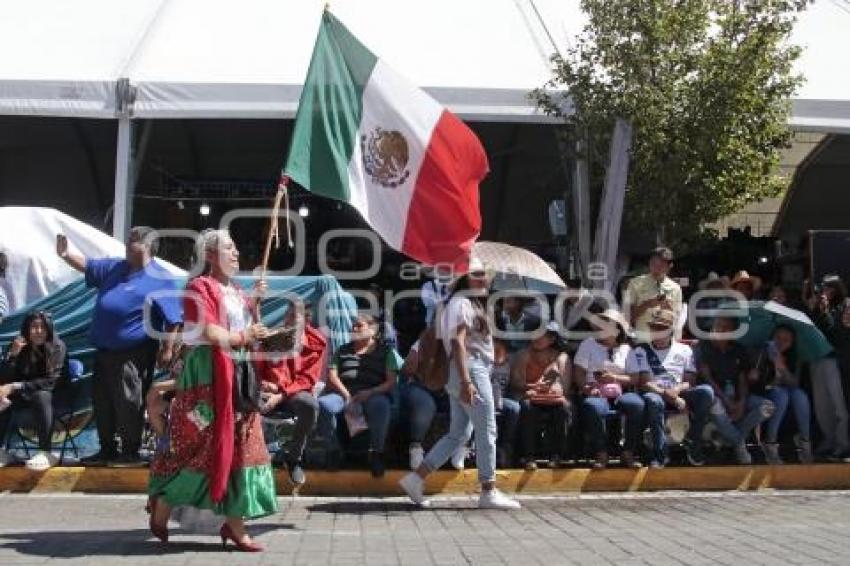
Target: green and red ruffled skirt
{"x": 179, "y": 474}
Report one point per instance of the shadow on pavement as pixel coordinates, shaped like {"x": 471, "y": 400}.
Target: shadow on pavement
{"x": 391, "y": 508}
{"x": 128, "y": 542}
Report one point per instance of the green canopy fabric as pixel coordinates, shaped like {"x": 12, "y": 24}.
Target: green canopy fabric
{"x": 71, "y": 309}
{"x": 763, "y": 318}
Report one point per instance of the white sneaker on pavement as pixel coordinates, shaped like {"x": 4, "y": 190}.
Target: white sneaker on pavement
{"x": 5, "y": 458}
{"x": 417, "y": 454}
{"x": 41, "y": 461}
{"x": 458, "y": 458}
{"x": 495, "y": 499}
{"x": 414, "y": 486}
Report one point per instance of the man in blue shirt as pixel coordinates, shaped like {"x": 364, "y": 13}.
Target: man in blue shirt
{"x": 135, "y": 295}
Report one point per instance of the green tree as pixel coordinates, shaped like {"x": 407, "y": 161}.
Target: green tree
{"x": 707, "y": 87}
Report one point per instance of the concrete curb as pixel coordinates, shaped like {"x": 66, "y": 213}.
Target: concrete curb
{"x": 360, "y": 483}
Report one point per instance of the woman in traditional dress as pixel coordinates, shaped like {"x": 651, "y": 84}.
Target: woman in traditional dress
{"x": 216, "y": 458}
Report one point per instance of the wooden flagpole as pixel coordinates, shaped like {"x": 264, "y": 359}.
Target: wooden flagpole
{"x": 281, "y": 195}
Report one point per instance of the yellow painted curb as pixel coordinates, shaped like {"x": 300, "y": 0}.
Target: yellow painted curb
{"x": 360, "y": 483}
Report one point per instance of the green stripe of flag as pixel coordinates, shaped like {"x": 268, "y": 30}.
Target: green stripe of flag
{"x": 329, "y": 111}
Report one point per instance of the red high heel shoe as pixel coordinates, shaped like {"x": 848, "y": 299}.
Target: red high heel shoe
{"x": 227, "y": 533}
{"x": 160, "y": 532}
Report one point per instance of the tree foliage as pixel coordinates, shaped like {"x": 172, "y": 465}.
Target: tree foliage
{"x": 707, "y": 86}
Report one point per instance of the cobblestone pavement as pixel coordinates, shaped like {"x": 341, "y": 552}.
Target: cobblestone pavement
{"x": 671, "y": 528}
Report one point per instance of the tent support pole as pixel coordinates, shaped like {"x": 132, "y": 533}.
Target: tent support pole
{"x": 122, "y": 212}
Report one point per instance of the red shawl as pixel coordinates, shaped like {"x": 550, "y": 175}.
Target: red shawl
{"x": 204, "y": 304}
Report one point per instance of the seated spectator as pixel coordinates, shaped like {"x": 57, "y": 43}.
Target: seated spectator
{"x": 725, "y": 365}
{"x": 599, "y": 369}
{"x": 713, "y": 286}
{"x": 827, "y": 388}
{"x": 778, "y": 295}
{"x": 288, "y": 379}
{"x": 31, "y": 369}
{"x": 746, "y": 284}
{"x": 777, "y": 379}
{"x": 517, "y": 322}
{"x": 540, "y": 376}
{"x": 667, "y": 379}
{"x": 421, "y": 397}
{"x": 507, "y": 409}
{"x": 360, "y": 377}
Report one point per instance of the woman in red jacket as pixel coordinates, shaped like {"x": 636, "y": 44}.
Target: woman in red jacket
{"x": 288, "y": 382}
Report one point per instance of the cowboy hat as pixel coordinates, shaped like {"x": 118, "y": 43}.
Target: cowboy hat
{"x": 743, "y": 277}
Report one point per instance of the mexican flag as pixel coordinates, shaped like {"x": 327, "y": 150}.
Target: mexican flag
{"x": 365, "y": 135}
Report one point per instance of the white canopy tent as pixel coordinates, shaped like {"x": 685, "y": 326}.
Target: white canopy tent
{"x": 152, "y": 59}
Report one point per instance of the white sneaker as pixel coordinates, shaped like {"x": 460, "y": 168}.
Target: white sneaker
{"x": 495, "y": 499}
{"x": 41, "y": 461}
{"x": 5, "y": 458}
{"x": 414, "y": 486}
{"x": 742, "y": 455}
{"x": 417, "y": 454}
{"x": 458, "y": 458}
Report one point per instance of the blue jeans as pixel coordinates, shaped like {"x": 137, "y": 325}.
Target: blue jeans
{"x": 377, "y": 409}
{"x": 420, "y": 405}
{"x": 508, "y": 423}
{"x": 594, "y": 412}
{"x": 480, "y": 417}
{"x": 699, "y": 400}
{"x": 737, "y": 432}
{"x": 781, "y": 396}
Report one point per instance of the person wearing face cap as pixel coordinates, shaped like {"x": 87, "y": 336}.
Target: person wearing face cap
{"x": 665, "y": 371}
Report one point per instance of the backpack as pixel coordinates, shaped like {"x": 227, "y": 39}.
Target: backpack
{"x": 433, "y": 371}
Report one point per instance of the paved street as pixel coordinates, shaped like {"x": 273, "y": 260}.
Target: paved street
{"x": 733, "y": 528}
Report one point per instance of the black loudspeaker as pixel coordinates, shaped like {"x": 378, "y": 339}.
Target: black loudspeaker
{"x": 829, "y": 254}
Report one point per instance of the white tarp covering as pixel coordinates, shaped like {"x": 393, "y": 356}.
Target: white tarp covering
{"x": 28, "y": 237}
{"x": 247, "y": 59}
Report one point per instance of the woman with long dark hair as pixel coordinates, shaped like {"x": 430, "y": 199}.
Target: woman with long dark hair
{"x": 777, "y": 380}
{"x": 31, "y": 368}
{"x": 217, "y": 459}
{"x": 468, "y": 341}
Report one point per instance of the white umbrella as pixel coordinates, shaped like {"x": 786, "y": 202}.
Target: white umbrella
{"x": 517, "y": 269}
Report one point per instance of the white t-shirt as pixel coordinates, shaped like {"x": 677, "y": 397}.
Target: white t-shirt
{"x": 677, "y": 360}
{"x": 460, "y": 312}
{"x": 593, "y": 357}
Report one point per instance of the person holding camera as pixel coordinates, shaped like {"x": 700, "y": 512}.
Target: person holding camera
{"x": 126, "y": 355}
{"x": 651, "y": 292}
